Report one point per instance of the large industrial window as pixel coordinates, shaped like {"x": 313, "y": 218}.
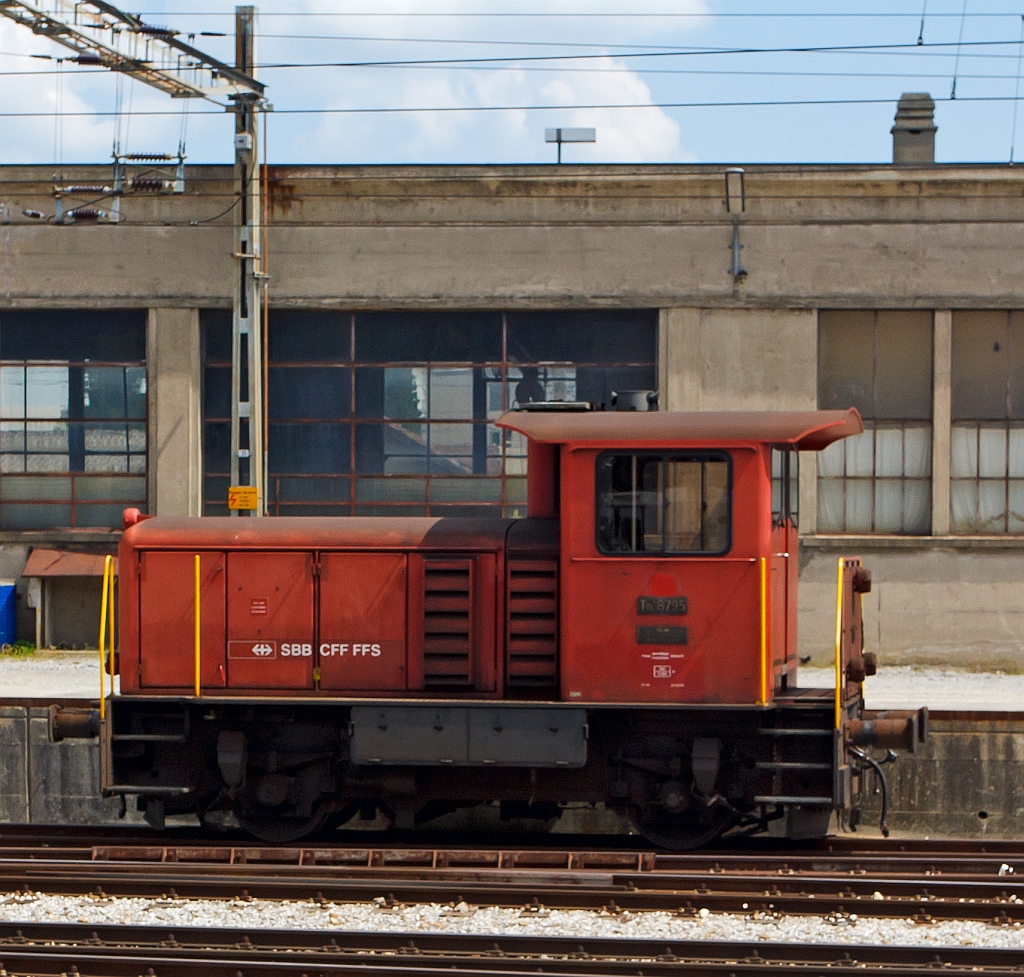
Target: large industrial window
{"x": 649, "y": 503}
{"x": 986, "y": 458}
{"x": 880, "y": 363}
{"x": 72, "y": 418}
{"x": 392, "y": 413}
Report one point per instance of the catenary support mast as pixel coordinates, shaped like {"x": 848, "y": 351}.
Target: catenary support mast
{"x": 246, "y": 320}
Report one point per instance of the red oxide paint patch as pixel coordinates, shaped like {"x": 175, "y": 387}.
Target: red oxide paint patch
{"x": 663, "y": 585}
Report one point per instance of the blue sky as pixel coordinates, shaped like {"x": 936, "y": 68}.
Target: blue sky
{"x": 340, "y": 30}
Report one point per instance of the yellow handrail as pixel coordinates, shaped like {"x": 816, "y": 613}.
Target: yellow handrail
{"x": 839, "y": 644}
{"x": 110, "y": 622}
{"x": 197, "y": 624}
{"x": 764, "y": 631}
{"x": 102, "y": 638}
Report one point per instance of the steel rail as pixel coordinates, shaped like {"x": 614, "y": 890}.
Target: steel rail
{"x": 889, "y": 883}
{"x": 113, "y": 951}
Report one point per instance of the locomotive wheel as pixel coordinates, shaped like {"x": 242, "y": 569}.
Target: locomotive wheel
{"x": 678, "y": 832}
{"x": 279, "y": 830}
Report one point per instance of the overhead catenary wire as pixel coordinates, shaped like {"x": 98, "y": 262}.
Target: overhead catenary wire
{"x": 688, "y": 52}
{"x": 396, "y": 109}
{"x": 694, "y": 72}
{"x": 1016, "y": 90}
{"x": 589, "y": 14}
{"x": 874, "y": 50}
{"x": 58, "y": 123}
{"x": 959, "y": 45}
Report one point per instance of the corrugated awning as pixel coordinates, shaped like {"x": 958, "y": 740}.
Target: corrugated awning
{"x": 810, "y": 430}
{"x": 61, "y": 563}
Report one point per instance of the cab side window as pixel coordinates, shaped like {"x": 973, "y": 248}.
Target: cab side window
{"x": 656, "y": 503}
{"x": 785, "y": 485}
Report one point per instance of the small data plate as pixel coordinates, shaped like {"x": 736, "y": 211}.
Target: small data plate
{"x": 661, "y": 636}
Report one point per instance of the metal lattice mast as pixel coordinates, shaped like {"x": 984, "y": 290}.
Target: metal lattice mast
{"x": 246, "y": 320}
{"x": 100, "y": 34}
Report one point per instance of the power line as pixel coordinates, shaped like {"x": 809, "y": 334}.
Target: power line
{"x": 1016, "y": 91}
{"x": 394, "y": 110}
{"x": 688, "y": 52}
{"x": 698, "y": 72}
{"x": 591, "y": 15}
{"x": 959, "y": 45}
{"x": 875, "y": 50}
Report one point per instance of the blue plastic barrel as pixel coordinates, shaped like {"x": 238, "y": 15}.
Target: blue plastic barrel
{"x": 8, "y": 613}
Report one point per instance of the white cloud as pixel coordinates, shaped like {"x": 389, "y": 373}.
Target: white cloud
{"x": 626, "y": 135}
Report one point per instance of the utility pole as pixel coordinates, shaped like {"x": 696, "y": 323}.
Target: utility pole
{"x": 247, "y": 459}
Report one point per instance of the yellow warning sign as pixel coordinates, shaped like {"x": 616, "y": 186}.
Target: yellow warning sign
{"x": 243, "y": 497}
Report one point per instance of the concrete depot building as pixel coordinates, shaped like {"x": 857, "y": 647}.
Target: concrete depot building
{"x": 409, "y": 304}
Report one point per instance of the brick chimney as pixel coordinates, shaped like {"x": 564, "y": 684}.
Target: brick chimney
{"x": 913, "y": 135}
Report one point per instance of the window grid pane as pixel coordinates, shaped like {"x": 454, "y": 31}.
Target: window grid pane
{"x": 392, "y": 413}
{"x": 986, "y": 454}
{"x": 72, "y": 438}
{"x": 986, "y": 469}
{"x": 881, "y": 363}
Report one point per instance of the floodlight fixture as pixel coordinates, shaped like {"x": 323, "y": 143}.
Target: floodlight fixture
{"x": 560, "y": 136}
{"x": 735, "y": 204}
{"x": 735, "y": 190}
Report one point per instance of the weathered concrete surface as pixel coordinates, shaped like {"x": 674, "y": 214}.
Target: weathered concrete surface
{"x": 175, "y": 462}
{"x": 14, "y": 806}
{"x": 967, "y": 781}
{"x": 953, "y": 602}
{"x": 48, "y": 783}
{"x": 469, "y": 236}
{"x": 739, "y": 359}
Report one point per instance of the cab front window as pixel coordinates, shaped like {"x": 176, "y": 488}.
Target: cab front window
{"x": 663, "y": 503}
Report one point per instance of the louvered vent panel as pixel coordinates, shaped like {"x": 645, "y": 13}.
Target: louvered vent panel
{"x": 447, "y": 623}
{"x": 533, "y": 625}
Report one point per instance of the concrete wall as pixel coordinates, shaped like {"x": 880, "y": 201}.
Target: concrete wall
{"x": 49, "y": 783}
{"x": 955, "y": 602}
{"x": 447, "y": 236}
{"x": 965, "y": 782}
{"x": 739, "y": 359}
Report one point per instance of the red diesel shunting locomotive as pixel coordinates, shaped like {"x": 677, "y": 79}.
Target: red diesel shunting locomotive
{"x": 631, "y": 642}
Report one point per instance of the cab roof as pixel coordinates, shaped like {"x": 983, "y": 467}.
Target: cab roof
{"x": 810, "y": 430}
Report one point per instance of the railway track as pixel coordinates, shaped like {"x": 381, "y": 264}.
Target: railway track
{"x": 128, "y": 951}
{"x": 923, "y": 881}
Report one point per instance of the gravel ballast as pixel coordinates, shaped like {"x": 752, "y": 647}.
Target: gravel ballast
{"x": 461, "y": 918}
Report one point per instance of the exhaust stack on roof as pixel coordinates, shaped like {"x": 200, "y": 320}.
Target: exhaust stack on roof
{"x": 913, "y": 134}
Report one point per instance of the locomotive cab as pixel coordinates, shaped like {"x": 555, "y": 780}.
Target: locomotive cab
{"x": 631, "y": 643}
{"x": 678, "y": 564}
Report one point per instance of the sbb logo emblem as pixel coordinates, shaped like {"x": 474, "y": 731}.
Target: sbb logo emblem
{"x": 252, "y": 650}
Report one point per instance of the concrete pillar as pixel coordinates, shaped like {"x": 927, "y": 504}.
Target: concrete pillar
{"x": 173, "y": 364}
{"x": 739, "y": 359}
{"x": 941, "y": 411}
{"x": 679, "y": 359}
{"x": 809, "y": 465}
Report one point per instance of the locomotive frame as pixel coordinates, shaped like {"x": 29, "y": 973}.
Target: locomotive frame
{"x": 631, "y": 642}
